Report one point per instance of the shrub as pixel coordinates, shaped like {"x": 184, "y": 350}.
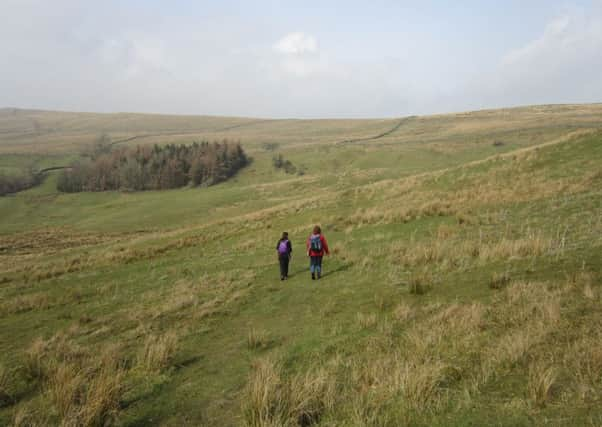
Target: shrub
{"x": 15, "y": 183}
{"x": 280, "y": 162}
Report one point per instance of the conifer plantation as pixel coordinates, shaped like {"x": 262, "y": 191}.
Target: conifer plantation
{"x": 154, "y": 167}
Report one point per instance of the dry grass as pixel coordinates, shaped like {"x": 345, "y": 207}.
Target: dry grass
{"x": 455, "y": 253}
{"x": 499, "y": 280}
{"x": 157, "y": 352}
{"x": 23, "y": 303}
{"x": 542, "y": 380}
{"x": 65, "y": 387}
{"x": 102, "y": 398}
{"x": 583, "y": 359}
{"x": 385, "y": 379}
{"x": 35, "y": 362}
{"x": 84, "y": 388}
{"x": 271, "y": 400}
{"x": 257, "y": 338}
{"x": 27, "y": 416}
{"x": 420, "y": 282}
{"x": 366, "y": 320}
{"x": 5, "y": 383}
{"x": 403, "y": 312}
{"x": 85, "y": 396}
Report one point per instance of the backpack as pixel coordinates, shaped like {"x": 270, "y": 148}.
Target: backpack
{"x": 283, "y": 247}
{"x": 315, "y": 243}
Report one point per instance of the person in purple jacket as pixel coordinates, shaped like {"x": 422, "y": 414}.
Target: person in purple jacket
{"x": 285, "y": 250}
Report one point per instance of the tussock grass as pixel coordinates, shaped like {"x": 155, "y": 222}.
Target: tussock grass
{"x": 65, "y": 386}
{"x": 499, "y": 280}
{"x": 420, "y": 282}
{"x": 86, "y": 396}
{"x": 452, "y": 253}
{"x": 83, "y": 388}
{"x": 416, "y": 384}
{"x": 35, "y": 362}
{"x": 366, "y": 320}
{"x": 24, "y": 303}
{"x": 257, "y": 338}
{"x": 271, "y": 400}
{"x": 583, "y": 359}
{"x": 403, "y": 312}
{"x": 157, "y": 352}
{"x": 5, "y": 386}
{"x": 542, "y": 380}
{"x": 28, "y": 416}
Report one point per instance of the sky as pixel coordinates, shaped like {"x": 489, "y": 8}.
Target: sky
{"x": 303, "y": 59}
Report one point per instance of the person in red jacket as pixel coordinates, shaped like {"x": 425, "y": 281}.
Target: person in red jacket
{"x": 316, "y": 248}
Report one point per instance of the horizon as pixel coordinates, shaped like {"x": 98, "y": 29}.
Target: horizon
{"x": 434, "y": 114}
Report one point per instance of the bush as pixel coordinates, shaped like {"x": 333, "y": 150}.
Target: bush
{"x": 280, "y": 162}
{"x": 14, "y": 183}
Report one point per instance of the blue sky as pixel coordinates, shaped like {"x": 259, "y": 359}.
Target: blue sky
{"x": 298, "y": 59}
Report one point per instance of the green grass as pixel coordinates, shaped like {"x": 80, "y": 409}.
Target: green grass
{"x": 433, "y": 202}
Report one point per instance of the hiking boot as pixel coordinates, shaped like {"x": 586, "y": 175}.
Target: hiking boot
{"x": 319, "y": 276}
{"x": 281, "y": 277}
{"x": 313, "y": 276}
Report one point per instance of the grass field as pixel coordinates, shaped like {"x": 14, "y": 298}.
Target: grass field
{"x": 463, "y": 288}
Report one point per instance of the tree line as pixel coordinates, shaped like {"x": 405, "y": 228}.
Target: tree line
{"x": 10, "y": 183}
{"x": 154, "y": 167}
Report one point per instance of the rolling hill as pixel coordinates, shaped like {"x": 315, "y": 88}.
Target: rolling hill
{"x": 463, "y": 288}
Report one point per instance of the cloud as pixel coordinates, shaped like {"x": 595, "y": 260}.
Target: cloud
{"x": 134, "y": 54}
{"x": 296, "y": 44}
{"x": 561, "y": 65}
{"x": 298, "y": 56}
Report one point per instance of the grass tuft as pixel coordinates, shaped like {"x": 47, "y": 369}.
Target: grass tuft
{"x": 157, "y": 352}
{"x": 257, "y": 339}
{"x": 499, "y": 280}
{"x": 5, "y": 383}
{"x": 542, "y": 381}
{"x": 420, "y": 282}
{"x": 366, "y": 320}
{"x": 271, "y": 400}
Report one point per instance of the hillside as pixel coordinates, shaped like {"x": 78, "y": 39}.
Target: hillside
{"x": 464, "y": 285}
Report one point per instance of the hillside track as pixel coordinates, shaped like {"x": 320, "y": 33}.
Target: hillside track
{"x": 380, "y": 135}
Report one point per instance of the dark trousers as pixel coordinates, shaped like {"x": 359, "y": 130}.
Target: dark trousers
{"x": 284, "y": 259}
{"x": 315, "y": 264}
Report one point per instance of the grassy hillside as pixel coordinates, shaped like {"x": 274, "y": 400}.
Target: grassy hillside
{"x": 464, "y": 287}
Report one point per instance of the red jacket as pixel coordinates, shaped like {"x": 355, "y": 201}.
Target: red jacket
{"x": 324, "y": 246}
